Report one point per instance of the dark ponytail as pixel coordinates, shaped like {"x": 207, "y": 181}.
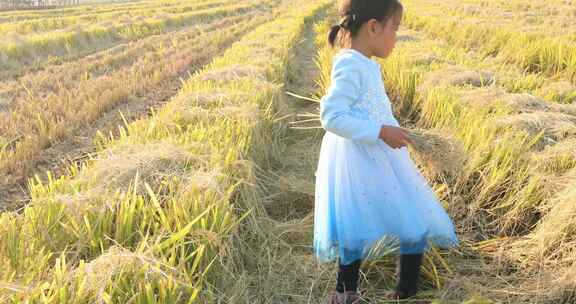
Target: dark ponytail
{"x": 333, "y": 34}
{"x": 354, "y": 13}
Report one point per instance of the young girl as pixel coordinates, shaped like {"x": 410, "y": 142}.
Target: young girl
{"x": 369, "y": 194}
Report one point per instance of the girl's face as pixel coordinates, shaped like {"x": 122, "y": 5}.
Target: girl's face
{"x": 384, "y": 35}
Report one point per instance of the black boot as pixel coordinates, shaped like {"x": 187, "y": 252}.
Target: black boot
{"x": 409, "y": 271}
{"x": 348, "y": 276}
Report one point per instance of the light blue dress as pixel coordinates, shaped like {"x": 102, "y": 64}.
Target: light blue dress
{"x": 369, "y": 197}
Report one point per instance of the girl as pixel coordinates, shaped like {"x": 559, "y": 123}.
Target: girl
{"x": 369, "y": 194}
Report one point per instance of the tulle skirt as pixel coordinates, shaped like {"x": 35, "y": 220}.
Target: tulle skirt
{"x": 370, "y": 200}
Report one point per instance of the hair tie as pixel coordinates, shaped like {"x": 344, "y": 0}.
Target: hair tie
{"x": 346, "y": 20}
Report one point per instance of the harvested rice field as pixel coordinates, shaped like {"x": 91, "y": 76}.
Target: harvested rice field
{"x": 165, "y": 151}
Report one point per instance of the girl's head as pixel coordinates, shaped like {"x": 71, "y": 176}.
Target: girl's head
{"x": 371, "y": 23}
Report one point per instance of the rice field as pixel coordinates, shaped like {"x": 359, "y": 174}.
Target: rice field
{"x": 164, "y": 151}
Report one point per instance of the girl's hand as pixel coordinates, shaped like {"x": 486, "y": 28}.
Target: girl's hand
{"x": 395, "y": 137}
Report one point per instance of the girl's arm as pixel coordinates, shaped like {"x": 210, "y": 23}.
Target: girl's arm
{"x": 344, "y": 90}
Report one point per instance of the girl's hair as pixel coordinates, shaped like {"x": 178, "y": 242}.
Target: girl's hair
{"x": 353, "y": 13}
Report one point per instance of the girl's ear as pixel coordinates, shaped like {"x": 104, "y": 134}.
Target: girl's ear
{"x": 374, "y": 26}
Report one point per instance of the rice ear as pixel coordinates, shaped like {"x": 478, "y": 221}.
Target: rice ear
{"x": 440, "y": 154}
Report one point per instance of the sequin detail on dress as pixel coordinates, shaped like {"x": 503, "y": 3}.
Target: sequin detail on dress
{"x": 375, "y": 106}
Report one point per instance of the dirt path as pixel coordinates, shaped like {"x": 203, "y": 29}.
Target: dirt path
{"x": 286, "y": 270}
